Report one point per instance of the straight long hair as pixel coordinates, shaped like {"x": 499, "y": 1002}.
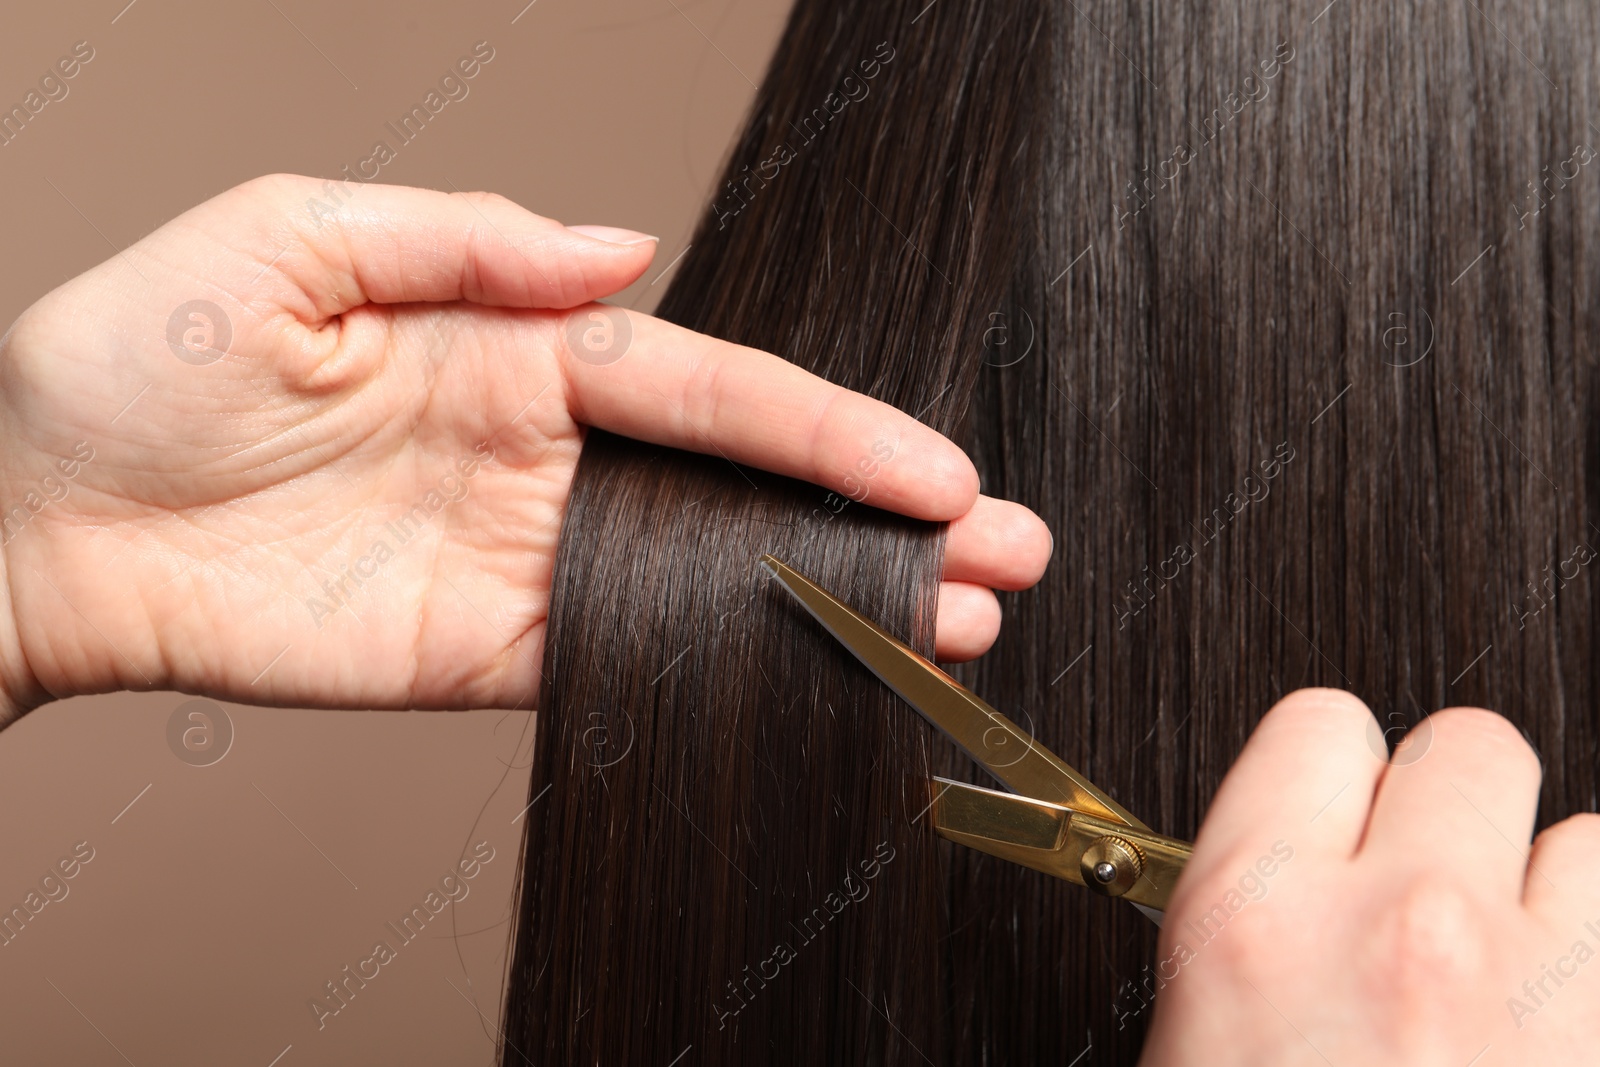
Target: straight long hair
{"x": 1278, "y": 314}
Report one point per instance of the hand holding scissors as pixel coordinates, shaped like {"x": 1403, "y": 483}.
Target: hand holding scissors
{"x": 1410, "y": 924}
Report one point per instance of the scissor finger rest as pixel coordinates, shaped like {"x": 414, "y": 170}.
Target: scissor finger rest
{"x": 1110, "y": 858}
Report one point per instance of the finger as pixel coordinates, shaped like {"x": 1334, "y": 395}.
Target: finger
{"x": 1464, "y": 807}
{"x": 967, "y": 622}
{"x": 1305, "y": 778}
{"x": 999, "y": 544}
{"x": 657, "y": 382}
{"x": 1564, "y": 868}
{"x": 392, "y": 244}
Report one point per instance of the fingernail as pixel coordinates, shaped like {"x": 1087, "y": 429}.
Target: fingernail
{"x": 613, "y": 234}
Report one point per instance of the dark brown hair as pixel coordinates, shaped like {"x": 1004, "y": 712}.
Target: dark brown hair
{"x": 1279, "y": 318}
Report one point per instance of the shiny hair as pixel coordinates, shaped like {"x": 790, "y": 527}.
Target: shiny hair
{"x": 1281, "y": 320}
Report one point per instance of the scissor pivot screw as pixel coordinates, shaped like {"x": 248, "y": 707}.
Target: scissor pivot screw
{"x": 1111, "y": 865}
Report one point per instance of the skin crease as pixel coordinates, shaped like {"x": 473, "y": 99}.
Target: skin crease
{"x": 377, "y": 346}
{"x": 1430, "y": 913}
{"x": 381, "y": 336}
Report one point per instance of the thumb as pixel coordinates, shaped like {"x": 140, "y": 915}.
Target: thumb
{"x": 333, "y": 246}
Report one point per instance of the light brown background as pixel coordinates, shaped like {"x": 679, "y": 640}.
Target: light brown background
{"x": 221, "y": 898}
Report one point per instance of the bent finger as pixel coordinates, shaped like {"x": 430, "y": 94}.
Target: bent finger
{"x": 347, "y": 244}
{"x": 1563, "y": 875}
{"x": 645, "y": 378}
{"x": 966, "y": 623}
{"x": 1465, "y": 806}
{"x": 998, "y": 543}
{"x": 1305, "y": 778}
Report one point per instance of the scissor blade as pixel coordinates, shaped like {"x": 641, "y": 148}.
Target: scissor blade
{"x": 1013, "y": 757}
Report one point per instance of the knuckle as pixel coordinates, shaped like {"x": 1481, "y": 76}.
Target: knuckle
{"x": 1430, "y": 949}
{"x": 826, "y": 426}
{"x": 1231, "y": 948}
{"x": 576, "y": 279}
{"x": 280, "y": 185}
{"x": 475, "y": 218}
{"x": 1239, "y": 934}
{"x": 1319, "y": 701}
{"x": 1584, "y": 826}
{"x": 1479, "y": 721}
{"x": 1577, "y": 835}
{"x": 701, "y": 395}
{"x": 1325, "y": 712}
{"x": 1435, "y": 941}
{"x": 1479, "y": 728}
{"x": 1214, "y": 892}
{"x": 480, "y": 198}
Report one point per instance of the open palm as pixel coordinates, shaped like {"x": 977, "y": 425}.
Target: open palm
{"x": 311, "y": 445}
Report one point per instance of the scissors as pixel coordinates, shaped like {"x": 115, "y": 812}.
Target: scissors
{"x": 1052, "y": 818}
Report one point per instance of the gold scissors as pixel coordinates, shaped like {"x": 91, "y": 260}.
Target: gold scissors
{"x": 1053, "y": 819}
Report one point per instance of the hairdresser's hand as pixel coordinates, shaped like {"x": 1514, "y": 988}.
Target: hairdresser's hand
{"x": 1339, "y": 910}
{"x": 340, "y": 482}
